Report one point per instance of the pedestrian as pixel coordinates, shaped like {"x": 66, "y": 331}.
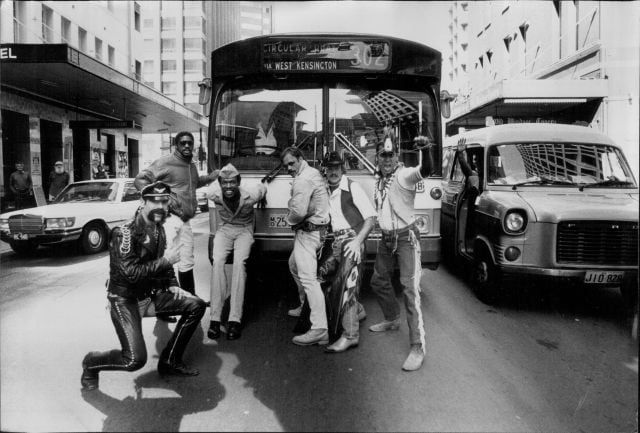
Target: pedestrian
{"x": 21, "y": 186}
{"x": 58, "y": 179}
{"x": 308, "y": 217}
{"x": 142, "y": 283}
{"x": 394, "y": 194}
{"x": 231, "y": 222}
{"x": 352, "y": 219}
{"x": 181, "y": 174}
{"x": 100, "y": 173}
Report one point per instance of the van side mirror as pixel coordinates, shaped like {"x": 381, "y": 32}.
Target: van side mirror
{"x": 445, "y": 103}
{"x": 205, "y": 91}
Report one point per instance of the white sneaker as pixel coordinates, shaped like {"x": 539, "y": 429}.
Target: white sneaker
{"x": 415, "y": 358}
{"x": 295, "y": 312}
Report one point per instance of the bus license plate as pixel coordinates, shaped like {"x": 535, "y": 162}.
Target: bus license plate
{"x": 278, "y": 221}
{"x": 603, "y": 277}
{"x": 20, "y": 236}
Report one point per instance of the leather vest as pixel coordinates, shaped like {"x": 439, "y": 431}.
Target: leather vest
{"x": 350, "y": 210}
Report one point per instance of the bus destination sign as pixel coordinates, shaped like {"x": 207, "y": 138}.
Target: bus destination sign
{"x": 325, "y": 55}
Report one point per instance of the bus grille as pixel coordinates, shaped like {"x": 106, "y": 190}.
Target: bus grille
{"x": 597, "y": 243}
{"x": 30, "y": 224}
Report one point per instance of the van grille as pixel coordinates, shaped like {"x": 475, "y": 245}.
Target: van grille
{"x": 30, "y": 224}
{"x": 597, "y": 243}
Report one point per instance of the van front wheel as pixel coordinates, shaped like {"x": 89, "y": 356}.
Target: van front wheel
{"x": 485, "y": 278}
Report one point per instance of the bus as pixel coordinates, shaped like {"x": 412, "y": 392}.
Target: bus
{"x": 322, "y": 93}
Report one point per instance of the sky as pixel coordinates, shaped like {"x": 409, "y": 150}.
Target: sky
{"x": 421, "y": 21}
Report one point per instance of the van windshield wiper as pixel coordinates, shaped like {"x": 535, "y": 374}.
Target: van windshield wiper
{"x": 608, "y": 182}
{"x": 542, "y": 182}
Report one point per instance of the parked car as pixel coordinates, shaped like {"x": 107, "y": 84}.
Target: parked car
{"x": 83, "y": 212}
{"x": 556, "y": 201}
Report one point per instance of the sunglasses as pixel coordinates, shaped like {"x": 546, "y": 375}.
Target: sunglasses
{"x": 186, "y": 143}
{"x": 386, "y": 154}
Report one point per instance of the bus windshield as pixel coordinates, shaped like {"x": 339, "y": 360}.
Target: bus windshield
{"x": 255, "y": 122}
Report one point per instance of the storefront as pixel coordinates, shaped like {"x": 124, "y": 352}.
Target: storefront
{"x": 59, "y": 104}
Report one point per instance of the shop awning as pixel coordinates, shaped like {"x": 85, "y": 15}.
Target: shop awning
{"x": 63, "y": 76}
{"x": 563, "y": 101}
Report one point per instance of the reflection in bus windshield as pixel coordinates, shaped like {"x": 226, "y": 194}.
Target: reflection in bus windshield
{"x": 253, "y": 124}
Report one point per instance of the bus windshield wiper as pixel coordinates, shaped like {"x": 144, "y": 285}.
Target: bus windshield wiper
{"x": 608, "y": 182}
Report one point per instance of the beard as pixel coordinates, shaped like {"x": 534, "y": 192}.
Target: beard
{"x": 157, "y": 216}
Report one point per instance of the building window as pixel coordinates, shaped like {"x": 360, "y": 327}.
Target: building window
{"x": 82, "y": 39}
{"x": 168, "y": 23}
{"x": 138, "y": 70}
{"x": 65, "y": 28}
{"x": 136, "y": 16}
{"x": 193, "y": 44}
{"x": 169, "y": 87}
{"x": 168, "y": 66}
{"x": 191, "y": 88}
{"x": 112, "y": 55}
{"x": 194, "y": 66}
{"x": 98, "y": 49}
{"x": 148, "y": 45}
{"x": 148, "y": 67}
{"x": 192, "y": 23}
{"x": 47, "y": 25}
{"x": 168, "y": 45}
{"x": 148, "y": 23}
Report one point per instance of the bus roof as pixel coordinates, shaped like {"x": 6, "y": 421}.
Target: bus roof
{"x": 326, "y": 53}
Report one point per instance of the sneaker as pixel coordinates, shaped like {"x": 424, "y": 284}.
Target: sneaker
{"x": 415, "y": 358}
{"x": 295, "y": 312}
{"x": 387, "y": 325}
{"x": 343, "y": 343}
{"x": 313, "y": 336}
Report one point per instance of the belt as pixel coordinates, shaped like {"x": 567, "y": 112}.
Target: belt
{"x": 343, "y": 232}
{"x": 309, "y": 227}
{"x": 403, "y": 230}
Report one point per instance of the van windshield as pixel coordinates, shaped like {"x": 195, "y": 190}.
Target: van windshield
{"x": 558, "y": 164}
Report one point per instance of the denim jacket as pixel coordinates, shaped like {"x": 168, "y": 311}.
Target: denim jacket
{"x": 309, "y": 197}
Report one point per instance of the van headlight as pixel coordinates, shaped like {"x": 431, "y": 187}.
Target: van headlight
{"x": 59, "y": 223}
{"x": 4, "y": 224}
{"x": 515, "y": 222}
{"x": 422, "y": 222}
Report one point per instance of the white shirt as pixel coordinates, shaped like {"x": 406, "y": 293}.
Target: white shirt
{"x": 360, "y": 199}
{"x": 407, "y": 178}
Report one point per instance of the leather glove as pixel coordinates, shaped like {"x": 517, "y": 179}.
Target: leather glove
{"x": 211, "y": 237}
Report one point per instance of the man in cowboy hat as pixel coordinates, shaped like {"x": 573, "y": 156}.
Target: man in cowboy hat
{"x": 231, "y": 220}
{"x": 142, "y": 283}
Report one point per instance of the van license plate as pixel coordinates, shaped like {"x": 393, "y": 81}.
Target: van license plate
{"x": 20, "y": 236}
{"x": 278, "y": 221}
{"x": 603, "y": 277}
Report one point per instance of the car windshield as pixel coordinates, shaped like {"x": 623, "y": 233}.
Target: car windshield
{"x": 254, "y": 122}
{"x": 90, "y": 191}
{"x": 577, "y": 164}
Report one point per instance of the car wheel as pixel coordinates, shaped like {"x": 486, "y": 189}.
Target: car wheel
{"x": 93, "y": 238}
{"x": 23, "y": 248}
{"x": 485, "y": 278}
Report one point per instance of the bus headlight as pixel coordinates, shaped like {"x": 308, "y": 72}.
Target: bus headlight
{"x": 435, "y": 193}
{"x": 515, "y": 222}
{"x": 4, "y": 224}
{"x": 422, "y": 222}
{"x": 59, "y": 223}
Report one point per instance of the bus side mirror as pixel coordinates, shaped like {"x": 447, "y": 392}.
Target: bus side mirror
{"x": 445, "y": 103}
{"x": 205, "y": 91}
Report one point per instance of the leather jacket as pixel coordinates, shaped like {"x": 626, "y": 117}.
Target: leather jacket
{"x": 137, "y": 267}
{"x": 182, "y": 176}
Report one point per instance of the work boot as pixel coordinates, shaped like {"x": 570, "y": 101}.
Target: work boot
{"x": 415, "y": 358}
{"x": 313, "y": 336}
{"x": 386, "y": 325}
{"x": 233, "y": 330}
{"x": 89, "y": 379}
{"x": 214, "y": 330}
{"x": 343, "y": 343}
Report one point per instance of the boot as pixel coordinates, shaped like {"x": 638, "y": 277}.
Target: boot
{"x": 90, "y": 378}
{"x": 186, "y": 281}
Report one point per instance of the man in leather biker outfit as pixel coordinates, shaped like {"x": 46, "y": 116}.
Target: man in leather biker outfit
{"x": 142, "y": 282}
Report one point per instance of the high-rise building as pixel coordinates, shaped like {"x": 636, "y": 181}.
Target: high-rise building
{"x": 236, "y": 20}
{"x": 546, "y": 61}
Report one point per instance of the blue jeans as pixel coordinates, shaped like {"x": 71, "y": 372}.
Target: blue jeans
{"x": 303, "y": 264}
{"x": 405, "y": 248}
